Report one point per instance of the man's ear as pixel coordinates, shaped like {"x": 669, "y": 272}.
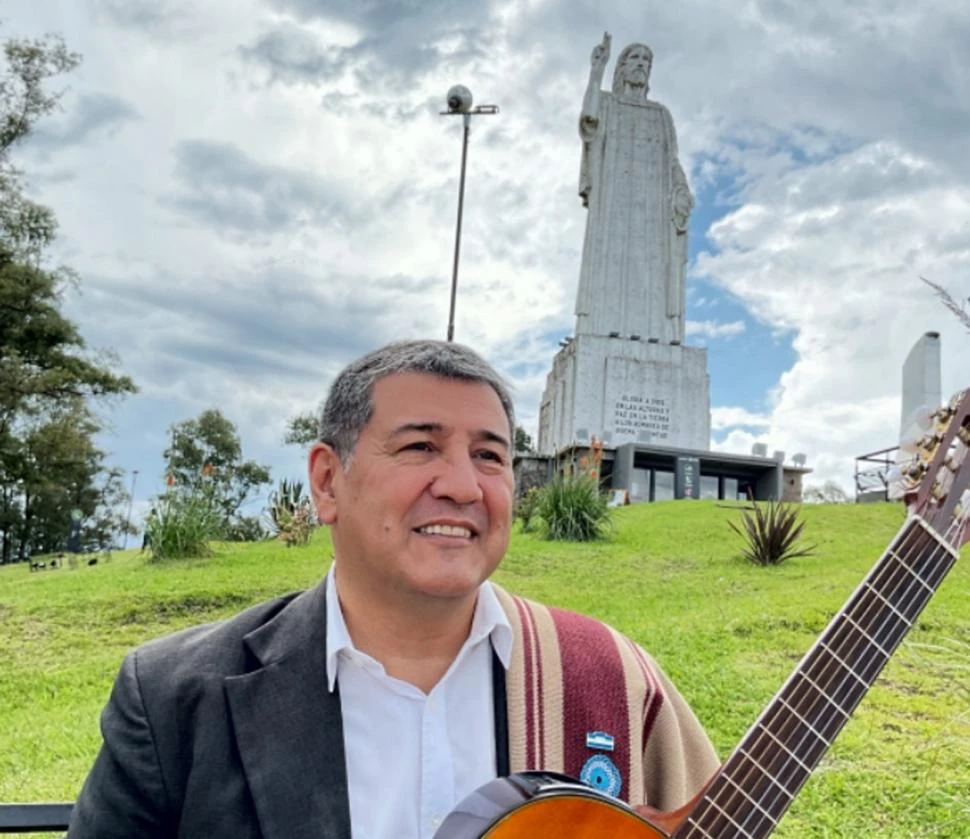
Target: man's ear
{"x": 324, "y": 468}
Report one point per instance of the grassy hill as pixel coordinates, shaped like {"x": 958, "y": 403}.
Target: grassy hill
{"x": 728, "y": 634}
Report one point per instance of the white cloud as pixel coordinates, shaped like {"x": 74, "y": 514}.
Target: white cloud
{"x": 714, "y": 329}
{"x": 271, "y": 191}
{"x": 730, "y": 417}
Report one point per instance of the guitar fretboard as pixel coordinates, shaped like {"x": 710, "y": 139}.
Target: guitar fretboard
{"x": 758, "y": 781}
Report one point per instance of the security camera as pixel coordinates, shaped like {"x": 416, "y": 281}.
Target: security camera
{"x": 459, "y": 99}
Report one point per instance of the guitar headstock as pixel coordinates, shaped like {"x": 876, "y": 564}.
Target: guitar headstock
{"x": 935, "y": 481}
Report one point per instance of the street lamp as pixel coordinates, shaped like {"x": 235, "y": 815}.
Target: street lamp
{"x": 131, "y": 498}
{"x": 460, "y": 104}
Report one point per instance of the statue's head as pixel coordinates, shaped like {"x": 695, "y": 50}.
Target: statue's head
{"x": 631, "y": 76}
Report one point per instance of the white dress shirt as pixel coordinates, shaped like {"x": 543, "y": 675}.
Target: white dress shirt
{"x": 411, "y": 756}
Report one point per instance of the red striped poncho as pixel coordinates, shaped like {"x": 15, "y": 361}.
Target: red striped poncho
{"x": 573, "y": 679}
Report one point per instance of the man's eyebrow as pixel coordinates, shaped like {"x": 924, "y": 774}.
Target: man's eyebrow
{"x": 424, "y": 427}
{"x": 438, "y": 428}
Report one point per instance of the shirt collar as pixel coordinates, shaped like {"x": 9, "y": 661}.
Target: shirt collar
{"x": 489, "y": 621}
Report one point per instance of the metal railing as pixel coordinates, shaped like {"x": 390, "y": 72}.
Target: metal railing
{"x": 34, "y": 818}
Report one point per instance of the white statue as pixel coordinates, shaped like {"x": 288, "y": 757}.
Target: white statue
{"x": 635, "y": 249}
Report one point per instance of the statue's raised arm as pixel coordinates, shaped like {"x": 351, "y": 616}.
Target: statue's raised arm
{"x": 589, "y": 118}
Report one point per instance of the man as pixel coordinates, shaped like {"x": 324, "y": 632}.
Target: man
{"x": 373, "y": 703}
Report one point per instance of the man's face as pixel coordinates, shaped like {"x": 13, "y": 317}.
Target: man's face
{"x": 636, "y": 67}
{"x": 425, "y": 505}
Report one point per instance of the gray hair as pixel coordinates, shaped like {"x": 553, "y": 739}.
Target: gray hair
{"x": 350, "y": 404}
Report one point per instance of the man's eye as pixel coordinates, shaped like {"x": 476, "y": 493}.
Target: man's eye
{"x": 417, "y": 446}
{"x": 488, "y": 454}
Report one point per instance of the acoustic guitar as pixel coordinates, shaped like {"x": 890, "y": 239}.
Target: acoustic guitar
{"x": 753, "y": 789}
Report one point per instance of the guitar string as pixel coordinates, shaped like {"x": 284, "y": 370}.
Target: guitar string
{"x": 891, "y": 567}
{"x": 855, "y": 637}
{"x": 863, "y": 637}
{"x": 804, "y": 684}
{"x": 837, "y": 637}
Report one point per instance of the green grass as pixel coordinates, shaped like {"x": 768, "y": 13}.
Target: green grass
{"x": 670, "y": 576}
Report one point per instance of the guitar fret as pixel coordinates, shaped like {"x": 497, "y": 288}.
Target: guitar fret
{"x": 726, "y": 815}
{"x": 784, "y": 748}
{"x": 899, "y": 614}
{"x": 804, "y": 721}
{"x": 827, "y": 698}
{"x": 868, "y": 637}
{"x": 841, "y": 661}
{"x": 906, "y": 565}
{"x": 939, "y": 539}
{"x": 766, "y": 773}
{"x": 696, "y": 826}
{"x": 737, "y": 786}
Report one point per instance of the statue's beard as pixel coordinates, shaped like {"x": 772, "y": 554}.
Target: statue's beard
{"x": 635, "y": 82}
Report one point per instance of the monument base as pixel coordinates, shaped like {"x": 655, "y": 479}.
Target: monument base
{"x": 621, "y": 390}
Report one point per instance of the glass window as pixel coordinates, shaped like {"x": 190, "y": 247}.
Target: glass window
{"x": 709, "y": 486}
{"x": 663, "y": 485}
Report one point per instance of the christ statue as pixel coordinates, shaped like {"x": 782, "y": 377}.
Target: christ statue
{"x": 639, "y": 203}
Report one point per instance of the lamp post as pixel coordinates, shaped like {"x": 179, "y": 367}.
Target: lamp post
{"x": 131, "y": 498}
{"x": 460, "y": 104}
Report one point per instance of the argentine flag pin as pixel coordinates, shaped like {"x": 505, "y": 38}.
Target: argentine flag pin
{"x": 599, "y": 740}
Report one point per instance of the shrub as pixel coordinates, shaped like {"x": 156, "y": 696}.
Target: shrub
{"x": 183, "y": 525}
{"x": 527, "y": 507}
{"x": 291, "y": 513}
{"x": 573, "y": 509}
{"x": 771, "y": 531}
{"x": 246, "y": 529}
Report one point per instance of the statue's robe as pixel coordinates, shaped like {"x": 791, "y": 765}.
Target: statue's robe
{"x": 634, "y": 257}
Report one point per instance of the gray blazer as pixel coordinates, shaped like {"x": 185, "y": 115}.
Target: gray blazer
{"x": 228, "y": 731}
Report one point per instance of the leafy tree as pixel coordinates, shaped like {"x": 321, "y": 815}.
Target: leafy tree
{"x": 49, "y": 463}
{"x": 828, "y": 493}
{"x": 27, "y": 65}
{"x": 301, "y": 430}
{"x": 204, "y": 458}
{"x": 523, "y": 441}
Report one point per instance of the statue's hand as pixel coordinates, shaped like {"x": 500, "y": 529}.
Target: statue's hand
{"x": 601, "y": 54}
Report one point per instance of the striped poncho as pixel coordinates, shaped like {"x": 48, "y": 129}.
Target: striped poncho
{"x": 586, "y": 701}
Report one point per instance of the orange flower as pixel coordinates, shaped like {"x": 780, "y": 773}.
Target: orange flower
{"x": 170, "y": 479}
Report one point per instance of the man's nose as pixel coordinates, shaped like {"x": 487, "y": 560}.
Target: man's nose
{"x": 459, "y": 480}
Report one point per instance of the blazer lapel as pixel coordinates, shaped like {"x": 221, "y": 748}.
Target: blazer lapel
{"x": 289, "y": 729}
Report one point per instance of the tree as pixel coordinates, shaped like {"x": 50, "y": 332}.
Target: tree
{"x": 523, "y": 442}
{"x": 204, "y": 457}
{"x": 828, "y": 493}
{"x": 302, "y": 430}
{"x": 25, "y": 226}
{"x": 49, "y": 464}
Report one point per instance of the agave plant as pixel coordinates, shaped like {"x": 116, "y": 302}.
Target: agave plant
{"x": 771, "y": 532}
{"x": 291, "y": 513}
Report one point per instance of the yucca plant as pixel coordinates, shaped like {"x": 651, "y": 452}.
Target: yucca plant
{"x": 574, "y": 510}
{"x": 771, "y": 531}
{"x": 183, "y": 525}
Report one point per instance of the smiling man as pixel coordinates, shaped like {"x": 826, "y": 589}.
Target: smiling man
{"x": 370, "y": 705}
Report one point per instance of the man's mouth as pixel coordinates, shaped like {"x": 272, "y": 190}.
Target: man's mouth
{"x": 445, "y": 530}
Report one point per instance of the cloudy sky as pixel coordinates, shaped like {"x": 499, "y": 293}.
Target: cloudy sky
{"x": 255, "y": 192}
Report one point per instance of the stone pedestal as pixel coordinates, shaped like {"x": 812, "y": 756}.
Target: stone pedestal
{"x": 626, "y": 391}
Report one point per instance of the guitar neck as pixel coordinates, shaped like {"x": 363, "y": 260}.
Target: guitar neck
{"x": 761, "y": 777}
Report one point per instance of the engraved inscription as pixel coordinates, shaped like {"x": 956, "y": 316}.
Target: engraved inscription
{"x": 633, "y": 414}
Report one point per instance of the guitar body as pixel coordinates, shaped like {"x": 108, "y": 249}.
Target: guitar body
{"x": 535, "y": 804}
